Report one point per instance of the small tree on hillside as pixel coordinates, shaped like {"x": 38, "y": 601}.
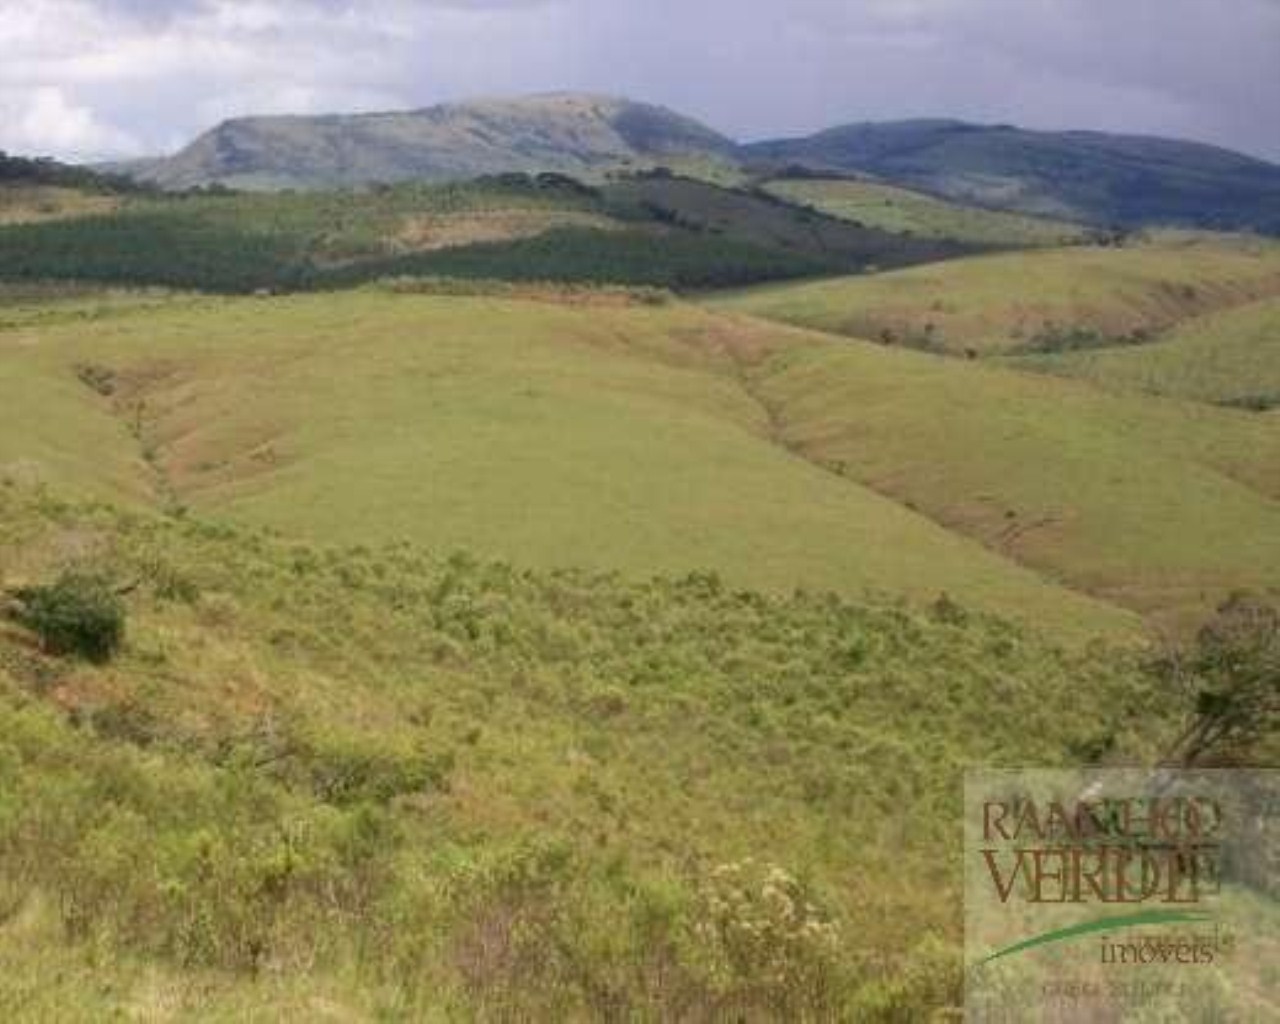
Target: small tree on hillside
{"x": 79, "y": 614}
{"x": 1231, "y": 674}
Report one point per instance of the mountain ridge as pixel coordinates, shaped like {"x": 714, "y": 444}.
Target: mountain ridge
{"x": 1124, "y": 180}
{"x": 1088, "y": 176}
{"x": 569, "y": 133}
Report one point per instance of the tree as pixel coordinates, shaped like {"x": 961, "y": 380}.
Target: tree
{"x": 1231, "y": 674}
{"x": 79, "y": 614}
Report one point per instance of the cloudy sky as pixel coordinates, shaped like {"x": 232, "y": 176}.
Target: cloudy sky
{"x": 84, "y": 79}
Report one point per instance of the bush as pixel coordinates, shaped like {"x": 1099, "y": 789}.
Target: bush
{"x": 79, "y": 614}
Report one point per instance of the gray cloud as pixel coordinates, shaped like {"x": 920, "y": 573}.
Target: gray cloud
{"x": 89, "y": 78}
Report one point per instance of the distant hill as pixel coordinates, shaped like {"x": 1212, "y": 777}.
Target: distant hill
{"x": 563, "y": 132}
{"x": 1097, "y": 178}
{"x": 1087, "y": 177}
{"x": 42, "y": 171}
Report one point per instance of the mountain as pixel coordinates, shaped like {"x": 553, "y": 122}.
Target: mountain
{"x": 1090, "y": 177}
{"x": 1121, "y": 180}
{"x": 561, "y": 132}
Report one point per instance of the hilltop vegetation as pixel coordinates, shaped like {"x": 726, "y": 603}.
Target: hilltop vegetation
{"x": 40, "y": 190}
{"x": 1040, "y": 301}
{"x": 756, "y": 216}
{"x": 1092, "y": 177}
{"x": 1229, "y": 358}
{"x": 660, "y": 231}
{"x": 17, "y": 170}
{"x": 380, "y": 783}
{"x": 901, "y": 210}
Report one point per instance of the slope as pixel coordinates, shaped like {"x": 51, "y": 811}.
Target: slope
{"x": 375, "y": 783}
{"x": 1041, "y": 300}
{"x": 1161, "y": 506}
{"x": 667, "y": 232}
{"x": 1085, "y": 176}
{"x": 611, "y": 437}
{"x": 1228, "y": 358}
{"x": 891, "y": 208}
{"x": 565, "y": 132}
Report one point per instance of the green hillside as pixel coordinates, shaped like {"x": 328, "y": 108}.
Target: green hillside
{"x": 517, "y": 651}
{"x": 375, "y": 782}
{"x": 1229, "y": 358}
{"x": 1044, "y": 300}
{"x": 880, "y": 205}
{"x": 758, "y": 217}
{"x": 660, "y": 231}
{"x": 1161, "y": 506}
{"x": 498, "y": 426}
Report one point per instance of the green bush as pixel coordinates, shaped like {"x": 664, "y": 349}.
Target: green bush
{"x": 79, "y": 614}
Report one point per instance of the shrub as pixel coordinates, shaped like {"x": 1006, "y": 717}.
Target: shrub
{"x": 79, "y": 614}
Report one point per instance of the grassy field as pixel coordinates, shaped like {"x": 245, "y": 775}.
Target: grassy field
{"x": 1043, "y": 300}
{"x": 376, "y": 783}
{"x": 1157, "y": 505}
{"x": 551, "y": 434}
{"x": 902, "y": 210}
{"x": 498, "y": 423}
{"x": 1228, "y": 358}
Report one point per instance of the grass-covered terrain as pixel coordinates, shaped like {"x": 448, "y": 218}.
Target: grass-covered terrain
{"x": 647, "y": 230}
{"x": 468, "y": 646}
{"x": 1157, "y": 505}
{"x": 880, "y": 205}
{"x": 549, "y": 433}
{"x": 385, "y": 782}
{"x": 1229, "y": 358}
{"x": 1045, "y": 300}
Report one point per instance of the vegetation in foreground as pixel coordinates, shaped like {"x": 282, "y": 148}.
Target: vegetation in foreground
{"x": 377, "y": 782}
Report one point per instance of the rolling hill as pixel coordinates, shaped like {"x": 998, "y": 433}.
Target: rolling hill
{"x": 563, "y": 132}
{"x": 1160, "y": 506}
{"x": 658, "y": 229}
{"x": 1040, "y": 301}
{"x": 890, "y": 208}
{"x": 1093, "y": 177}
{"x": 254, "y": 411}
{"x": 480, "y": 636}
{"x": 1226, "y": 358}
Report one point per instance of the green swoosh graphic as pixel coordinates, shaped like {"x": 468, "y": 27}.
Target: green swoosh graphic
{"x": 1102, "y": 924}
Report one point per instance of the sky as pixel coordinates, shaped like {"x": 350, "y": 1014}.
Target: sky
{"x": 96, "y": 79}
